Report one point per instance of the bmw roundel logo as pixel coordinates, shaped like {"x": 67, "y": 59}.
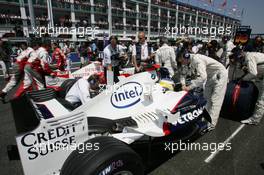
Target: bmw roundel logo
{"x": 127, "y": 95}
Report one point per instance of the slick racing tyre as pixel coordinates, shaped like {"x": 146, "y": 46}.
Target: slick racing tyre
{"x": 240, "y": 99}
{"x": 111, "y": 157}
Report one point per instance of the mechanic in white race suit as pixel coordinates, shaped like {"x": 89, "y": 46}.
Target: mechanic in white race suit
{"x": 214, "y": 74}
{"x": 83, "y": 90}
{"x": 38, "y": 65}
{"x": 226, "y": 47}
{"x": 165, "y": 56}
{"x": 18, "y": 68}
{"x": 253, "y": 65}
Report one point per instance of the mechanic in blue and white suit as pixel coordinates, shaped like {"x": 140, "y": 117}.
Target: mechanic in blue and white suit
{"x": 113, "y": 56}
{"x": 215, "y": 77}
{"x": 83, "y": 90}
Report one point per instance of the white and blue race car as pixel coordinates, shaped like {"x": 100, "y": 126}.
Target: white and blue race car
{"x": 97, "y": 138}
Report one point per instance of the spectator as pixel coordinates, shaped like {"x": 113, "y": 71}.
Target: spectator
{"x": 258, "y": 44}
{"x": 83, "y": 54}
{"x": 94, "y": 50}
{"x": 66, "y": 48}
{"x": 142, "y": 53}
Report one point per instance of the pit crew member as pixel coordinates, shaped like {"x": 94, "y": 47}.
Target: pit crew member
{"x": 59, "y": 57}
{"x": 83, "y": 90}
{"x": 215, "y": 77}
{"x": 165, "y": 56}
{"x": 227, "y": 45}
{"x": 253, "y": 65}
{"x": 18, "y": 69}
{"x": 36, "y": 68}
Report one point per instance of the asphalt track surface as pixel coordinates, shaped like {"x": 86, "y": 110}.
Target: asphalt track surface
{"x": 245, "y": 157}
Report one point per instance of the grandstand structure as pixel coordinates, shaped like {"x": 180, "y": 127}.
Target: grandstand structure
{"x": 124, "y": 18}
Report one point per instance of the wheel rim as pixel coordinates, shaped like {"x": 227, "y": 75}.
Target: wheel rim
{"x": 124, "y": 173}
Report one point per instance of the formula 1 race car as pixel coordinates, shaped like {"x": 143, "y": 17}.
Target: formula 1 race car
{"x": 98, "y": 137}
{"x": 84, "y": 72}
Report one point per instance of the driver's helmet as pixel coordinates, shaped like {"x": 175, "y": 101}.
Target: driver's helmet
{"x": 167, "y": 84}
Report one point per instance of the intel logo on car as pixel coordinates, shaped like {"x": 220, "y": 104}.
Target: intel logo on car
{"x": 127, "y": 95}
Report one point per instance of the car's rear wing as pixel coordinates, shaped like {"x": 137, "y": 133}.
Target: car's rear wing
{"x": 47, "y": 131}
{"x": 24, "y": 112}
{"x": 44, "y": 150}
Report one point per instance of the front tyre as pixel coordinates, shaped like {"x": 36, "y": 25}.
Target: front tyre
{"x": 112, "y": 158}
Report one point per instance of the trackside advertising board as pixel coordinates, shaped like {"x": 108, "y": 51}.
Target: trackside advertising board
{"x": 242, "y": 35}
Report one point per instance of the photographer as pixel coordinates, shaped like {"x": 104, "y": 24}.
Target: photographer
{"x": 258, "y": 45}
{"x": 112, "y": 58}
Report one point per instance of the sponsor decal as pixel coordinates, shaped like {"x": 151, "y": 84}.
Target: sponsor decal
{"x": 42, "y": 143}
{"x": 127, "y": 95}
{"x": 87, "y": 71}
{"x": 190, "y": 116}
{"x": 112, "y": 167}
